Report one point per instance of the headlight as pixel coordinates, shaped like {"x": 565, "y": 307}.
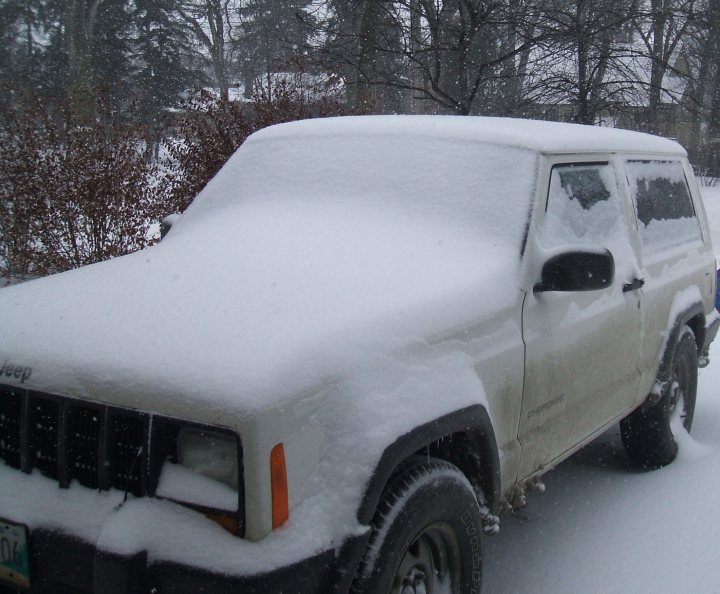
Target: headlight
{"x": 211, "y": 454}
{"x": 198, "y": 467}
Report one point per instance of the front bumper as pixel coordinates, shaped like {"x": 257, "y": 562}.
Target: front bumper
{"x": 62, "y": 564}
{"x": 166, "y": 548}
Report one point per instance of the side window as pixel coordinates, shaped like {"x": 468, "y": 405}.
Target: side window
{"x": 583, "y": 207}
{"x": 665, "y": 211}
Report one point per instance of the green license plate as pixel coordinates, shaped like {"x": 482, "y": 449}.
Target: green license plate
{"x": 14, "y": 558}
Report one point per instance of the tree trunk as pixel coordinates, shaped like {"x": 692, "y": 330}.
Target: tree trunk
{"x": 79, "y": 24}
{"x": 658, "y": 67}
{"x": 366, "y": 97}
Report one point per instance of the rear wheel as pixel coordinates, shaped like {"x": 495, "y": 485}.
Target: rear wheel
{"x": 649, "y": 434}
{"x": 426, "y": 534}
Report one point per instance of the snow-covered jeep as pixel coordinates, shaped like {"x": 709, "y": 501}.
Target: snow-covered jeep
{"x": 363, "y": 337}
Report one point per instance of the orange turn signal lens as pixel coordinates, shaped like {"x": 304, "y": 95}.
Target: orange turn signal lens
{"x": 279, "y": 485}
{"x": 230, "y": 524}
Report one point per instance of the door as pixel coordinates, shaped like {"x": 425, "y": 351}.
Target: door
{"x": 581, "y": 347}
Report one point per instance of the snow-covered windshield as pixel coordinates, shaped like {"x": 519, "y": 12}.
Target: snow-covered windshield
{"x": 481, "y": 189}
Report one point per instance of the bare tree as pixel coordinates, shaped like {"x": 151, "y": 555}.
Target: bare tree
{"x": 587, "y": 57}
{"x": 453, "y": 53}
{"x": 661, "y": 26}
{"x": 272, "y": 38}
{"x": 702, "y": 48}
{"x": 523, "y": 30}
{"x": 79, "y": 26}
{"x": 210, "y": 23}
{"x": 363, "y": 46}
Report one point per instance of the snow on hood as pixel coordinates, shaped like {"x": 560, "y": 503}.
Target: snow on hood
{"x": 283, "y": 275}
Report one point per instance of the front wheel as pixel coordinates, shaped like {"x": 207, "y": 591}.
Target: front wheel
{"x": 426, "y": 534}
{"x": 649, "y": 434}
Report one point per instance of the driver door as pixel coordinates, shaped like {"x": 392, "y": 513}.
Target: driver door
{"x": 581, "y": 347}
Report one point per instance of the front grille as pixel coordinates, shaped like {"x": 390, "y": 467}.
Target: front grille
{"x": 10, "y": 415}
{"x": 43, "y": 428}
{"x": 98, "y": 446}
{"x": 70, "y": 440}
{"x": 127, "y": 438}
{"x": 82, "y": 444}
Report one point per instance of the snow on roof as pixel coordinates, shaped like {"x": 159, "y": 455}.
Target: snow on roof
{"x": 536, "y": 135}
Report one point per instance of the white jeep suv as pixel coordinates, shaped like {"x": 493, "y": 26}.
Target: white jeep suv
{"x": 363, "y": 336}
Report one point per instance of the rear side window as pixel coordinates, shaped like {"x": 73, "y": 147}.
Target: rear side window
{"x": 665, "y": 211}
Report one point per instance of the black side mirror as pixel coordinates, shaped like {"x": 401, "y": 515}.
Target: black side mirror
{"x": 577, "y": 271}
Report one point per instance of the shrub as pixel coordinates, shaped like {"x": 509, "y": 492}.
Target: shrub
{"x": 71, "y": 194}
{"x": 209, "y": 131}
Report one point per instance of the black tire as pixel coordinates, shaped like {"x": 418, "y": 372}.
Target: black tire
{"x": 647, "y": 433}
{"x": 426, "y": 533}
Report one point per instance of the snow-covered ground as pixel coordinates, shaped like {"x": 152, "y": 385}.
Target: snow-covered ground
{"x": 602, "y": 526}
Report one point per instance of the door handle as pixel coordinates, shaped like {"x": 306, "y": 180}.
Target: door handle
{"x": 636, "y": 284}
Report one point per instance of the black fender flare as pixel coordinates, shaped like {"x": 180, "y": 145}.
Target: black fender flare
{"x": 684, "y": 318}
{"x": 473, "y": 421}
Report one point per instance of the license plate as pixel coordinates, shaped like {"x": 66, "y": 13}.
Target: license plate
{"x": 14, "y": 558}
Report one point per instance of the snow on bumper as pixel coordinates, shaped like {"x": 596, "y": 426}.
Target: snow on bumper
{"x": 96, "y": 541}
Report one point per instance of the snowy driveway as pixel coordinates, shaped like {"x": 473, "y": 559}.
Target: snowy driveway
{"x": 603, "y": 527}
